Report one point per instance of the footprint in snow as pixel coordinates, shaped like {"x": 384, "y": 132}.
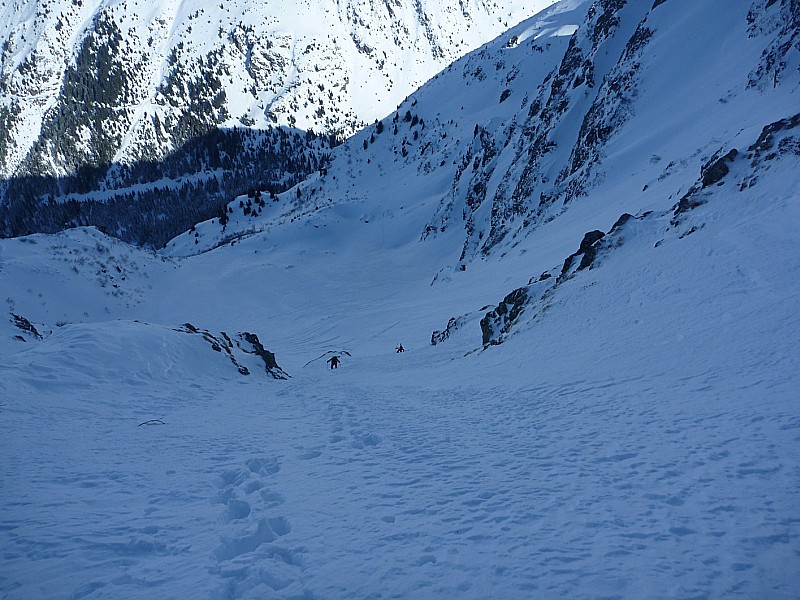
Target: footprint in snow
{"x": 309, "y": 455}
{"x": 267, "y": 530}
{"x": 249, "y": 538}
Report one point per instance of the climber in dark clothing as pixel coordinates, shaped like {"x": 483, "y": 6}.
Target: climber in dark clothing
{"x": 400, "y": 349}
{"x": 334, "y": 360}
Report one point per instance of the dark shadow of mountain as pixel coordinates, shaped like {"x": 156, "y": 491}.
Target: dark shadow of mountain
{"x": 149, "y": 202}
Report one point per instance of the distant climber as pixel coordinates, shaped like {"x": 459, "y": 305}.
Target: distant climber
{"x": 334, "y": 360}
{"x": 400, "y": 348}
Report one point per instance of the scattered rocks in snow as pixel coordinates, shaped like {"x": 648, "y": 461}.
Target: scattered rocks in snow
{"x": 587, "y": 249}
{"x": 766, "y": 141}
{"x": 248, "y": 343}
{"x": 437, "y": 337}
{"x": 711, "y": 173}
{"x": 268, "y": 357}
{"x": 498, "y": 321}
{"x": 776, "y": 140}
{"x": 715, "y": 170}
{"x": 26, "y": 326}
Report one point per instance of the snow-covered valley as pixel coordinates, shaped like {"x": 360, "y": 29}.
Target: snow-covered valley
{"x": 641, "y": 440}
{"x": 598, "y": 305}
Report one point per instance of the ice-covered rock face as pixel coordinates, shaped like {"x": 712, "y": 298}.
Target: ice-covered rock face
{"x": 88, "y": 82}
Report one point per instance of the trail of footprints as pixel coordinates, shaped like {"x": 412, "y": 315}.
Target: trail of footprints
{"x": 253, "y": 558}
{"x": 347, "y": 435}
{"x": 250, "y": 557}
{"x": 346, "y": 427}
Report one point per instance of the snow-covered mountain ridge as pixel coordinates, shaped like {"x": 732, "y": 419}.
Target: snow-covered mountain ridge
{"x": 96, "y": 82}
{"x": 142, "y": 118}
{"x": 545, "y": 120}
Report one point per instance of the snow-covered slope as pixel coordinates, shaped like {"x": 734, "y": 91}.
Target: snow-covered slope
{"x": 637, "y": 438}
{"x": 100, "y": 81}
{"x": 610, "y": 405}
{"x": 139, "y": 118}
{"x": 618, "y": 118}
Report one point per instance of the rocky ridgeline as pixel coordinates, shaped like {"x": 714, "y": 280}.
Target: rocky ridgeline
{"x": 495, "y": 200}
{"x": 525, "y": 172}
{"x": 739, "y": 170}
{"x": 233, "y": 347}
{"x": 26, "y": 327}
{"x": 236, "y": 348}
